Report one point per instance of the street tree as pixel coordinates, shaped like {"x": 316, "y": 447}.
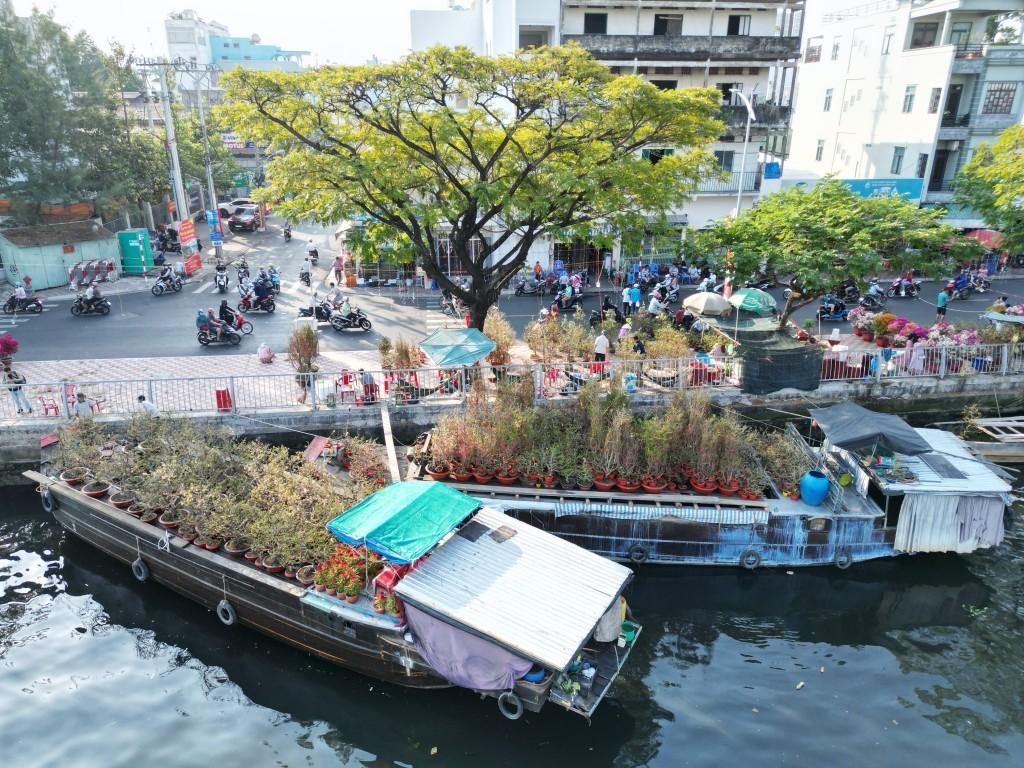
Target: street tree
{"x": 992, "y": 183}
{"x": 488, "y": 154}
{"x": 812, "y": 240}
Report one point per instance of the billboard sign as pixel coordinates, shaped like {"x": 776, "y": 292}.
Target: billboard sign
{"x": 213, "y": 222}
{"x": 186, "y": 232}
{"x": 911, "y": 189}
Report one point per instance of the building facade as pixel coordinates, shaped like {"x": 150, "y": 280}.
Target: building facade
{"x": 901, "y": 92}
{"x": 731, "y": 45}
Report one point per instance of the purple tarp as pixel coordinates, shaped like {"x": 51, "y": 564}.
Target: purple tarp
{"x": 464, "y": 659}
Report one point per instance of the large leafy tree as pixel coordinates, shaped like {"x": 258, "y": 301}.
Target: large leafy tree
{"x": 812, "y": 240}
{"x": 448, "y": 143}
{"x": 992, "y": 183}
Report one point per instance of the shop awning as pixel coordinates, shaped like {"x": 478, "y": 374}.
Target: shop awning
{"x": 452, "y": 347}
{"x": 990, "y": 238}
{"x": 855, "y": 428}
{"x": 403, "y": 521}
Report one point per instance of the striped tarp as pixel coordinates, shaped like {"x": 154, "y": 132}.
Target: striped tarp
{"x": 712, "y": 515}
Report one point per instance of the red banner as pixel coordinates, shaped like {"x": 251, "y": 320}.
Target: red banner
{"x": 193, "y": 264}
{"x": 186, "y": 232}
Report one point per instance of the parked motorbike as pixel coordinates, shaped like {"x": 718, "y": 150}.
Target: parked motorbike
{"x": 30, "y": 305}
{"x": 220, "y": 279}
{"x": 360, "y": 322}
{"x": 760, "y": 282}
{"x": 228, "y": 335}
{"x": 895, "y": 290}
{"x": 321, "y": 311}
{"x": 161, "y": 286}
{"x": 529, "y": 286}
{"x": 249, "y": 303}
{"x": 99, "y": 306}
{"x": 832, "y": 309}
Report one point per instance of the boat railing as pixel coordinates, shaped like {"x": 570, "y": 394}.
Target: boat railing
{"x": 836, "y": 493}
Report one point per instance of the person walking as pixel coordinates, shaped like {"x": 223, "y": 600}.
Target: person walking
{"x": 14, "y": 382}
{"x": 81, "y": 408}
{"x": 601, "y": 345}
{"x": 625, "y": 331}
{"x": 339, "y": 267}
{"x": 635, "y": 296}
{"x": 627, "y": 302}
{"x": 914, "y": 354}
{"x": 148, "y": 407}
{"x": 941, "y": 301}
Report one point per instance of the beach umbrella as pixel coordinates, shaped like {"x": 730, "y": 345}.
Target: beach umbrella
{"x": 752, "y": 300}
{"x": 707, "y": 303}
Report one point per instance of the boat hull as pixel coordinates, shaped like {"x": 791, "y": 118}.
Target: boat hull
{"x": 265, "y": 603}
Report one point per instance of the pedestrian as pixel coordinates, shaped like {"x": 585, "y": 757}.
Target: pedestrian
{"x": 538, "y": 272}
{"x": 635, "y": 296}
{"x": 638, "y": 345}
{"x": 625, "y": 330}
{"x": 81, "y": 408}
{"x": 148, "y": 407}
{"x": 601, "y": 345}
{"x": 627, "y": 303}
{"x": 940, "y": 303}
{"x": 339, "y": 267}
{"x": 914, "y": 354}
{"x": 369, "y": 385}
{"x": 14, "y": 382}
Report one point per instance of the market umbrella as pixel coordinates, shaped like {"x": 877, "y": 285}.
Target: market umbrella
{"x": 752, "y": 300}
{"x": 452, "y": 347}
{"x": 707, "y": 303}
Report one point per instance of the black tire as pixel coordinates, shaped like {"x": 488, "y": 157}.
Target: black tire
{"x": 203, "y": 339}
{"x": 157, "y": 289}
{"x": 510, "y": 705}
{"x": 337, "y": 325}
{"x": 9, "y": 308}
{"x": 269, "y": 307}
{"x": 103, "y": 309}
{"x": 76, "y": 309}
{"x": 226, "y": 613}
{"x": 140, "y": 570}
{"x": 843, "y": 558}
{"x": 35, "y": 308}
{"x": 245, "y": 327}
{"x": 365, "y": 324}
{"x": 235, "y": 339}
{"x": 637, "y": 554}
{"x": 890, "y": 292}
{"x": 47, "y": 500}
{"x": 519, "y": 290}
{"x": 750, "y": 559}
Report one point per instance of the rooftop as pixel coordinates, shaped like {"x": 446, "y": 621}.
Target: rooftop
{"x": 56, "y": 234}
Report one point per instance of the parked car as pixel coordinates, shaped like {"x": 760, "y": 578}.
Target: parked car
{"x": 231, "y": 207}
{"x": 245, "y": 218}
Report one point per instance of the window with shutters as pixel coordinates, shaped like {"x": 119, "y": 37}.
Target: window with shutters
{"x": 922, "y": 163}
{"x": 819, "y": 151}
{"x": 908, "y": 98}
{"x": 933, "y": 102}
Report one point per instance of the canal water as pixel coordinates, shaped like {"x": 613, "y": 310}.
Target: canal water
{"x": 909, "y": 662}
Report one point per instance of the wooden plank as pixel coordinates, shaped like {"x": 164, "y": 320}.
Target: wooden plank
{"x": 389, "y": 443}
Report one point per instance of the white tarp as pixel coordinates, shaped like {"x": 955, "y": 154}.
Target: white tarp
{"x": 932, "y": 523}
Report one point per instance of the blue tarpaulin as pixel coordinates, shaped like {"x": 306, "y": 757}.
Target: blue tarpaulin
{"x": 452, "y": 347}
{"x": 403, "y": 521}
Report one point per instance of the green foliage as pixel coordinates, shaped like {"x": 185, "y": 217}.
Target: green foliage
{"x": 991, "y": 183}
{"x": 814, "y": 239}
{"x": 547, "y": 144}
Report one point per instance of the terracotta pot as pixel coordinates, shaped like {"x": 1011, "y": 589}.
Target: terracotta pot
{"x": 187, "y": 534}
{"x": 273, "y": 566}
{"x": 148, "y": 517}
{"x": 170, "y": 519}
{"x": 378, "y": 608}
{"x": 483, "y": 477}
{"x": 704, "y": 488}
{"x": 236, "y": 547}
{"x": 305, "y": 575}
{"x": 74, "y": 476}
{"x": 289, "y": 573}
{"x": 352, "y": 598}
{"x": 795, "y": 495}
{"x": 214, "y": 544}
{"x": 548, "y": 480}
{"x": 331, "y": 592}
{"x": 882, "y": 341}
{"x": 251, "y": 556}
{"x": 627, "y": 485}
{"x": 122, "y": 500}
{"x": 461, "y": 477}
{"x": 320, "y": 587}
{"x": 671, "y": 486}
{"x": 867, "y": 335}
{"x": 728, "y": 489}
{"x": 584, "y": 486}
{"x": 599, "y": 476}
{"x": 654, "y": 486}
{"x": 604, "y": 485}
{"x": 437, "y": 473}
{"x": 136, "y": 509}
{"x": 532, "y": 477}
{"x": 508, "y": 479}
{"x": 96, "y": 489}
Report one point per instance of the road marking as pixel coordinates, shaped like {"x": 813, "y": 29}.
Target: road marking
{"x": 202, "y": 287}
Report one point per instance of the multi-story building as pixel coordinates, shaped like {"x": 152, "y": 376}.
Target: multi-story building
{"x": 733, "y": 45}
{"x": 898, "y": 93}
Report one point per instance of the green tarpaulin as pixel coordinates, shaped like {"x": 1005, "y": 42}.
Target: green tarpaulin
{"x": 405, "y": 520}
{"x": 452, "y": 347}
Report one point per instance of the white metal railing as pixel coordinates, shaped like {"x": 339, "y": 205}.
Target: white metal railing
{"x": 937, "y": 362}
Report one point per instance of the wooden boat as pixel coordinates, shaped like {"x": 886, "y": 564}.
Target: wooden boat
{"x": 389, "y": 648}
{"x": 862, "y": 518}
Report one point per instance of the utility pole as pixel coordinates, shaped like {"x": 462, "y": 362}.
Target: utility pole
{"x": 181, "y": 200}
{"x": 218, "y": 248}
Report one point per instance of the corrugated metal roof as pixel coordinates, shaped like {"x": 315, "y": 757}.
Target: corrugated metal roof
{"x": 978, "y": 477}
{"x": 695, "y": 514}
{"x": 530, "y": 592}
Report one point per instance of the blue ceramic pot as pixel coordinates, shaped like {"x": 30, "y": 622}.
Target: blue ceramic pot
{"x": 813, "y": 488}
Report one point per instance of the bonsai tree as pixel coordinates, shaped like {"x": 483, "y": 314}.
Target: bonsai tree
{"x": 501, "y": 332}
{"x": 548, "y": 143}
{"x": 303, "y": 349}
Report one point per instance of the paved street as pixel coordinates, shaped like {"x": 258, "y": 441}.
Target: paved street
{"x": 143, "y": 325}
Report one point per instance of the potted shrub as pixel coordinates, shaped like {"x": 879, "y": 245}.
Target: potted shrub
{"x": 123, "y": 499}
{"x": 393, "y": 606}
{"x": 379, "y": 603}
{"x": 171, "y": 518}
{"x": 97, "y": 489}
{"x": 237, "y": 546}
{"x": 74, "y": 475}
{"x": 352, "y": 588}
{"x": 305, "y": 575}
{"x": 188, "y": 533}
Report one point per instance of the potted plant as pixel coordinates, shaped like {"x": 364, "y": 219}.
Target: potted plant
{"x": 352, "y": 589}
{"x": 379, "y": 603}
{"x": 393, "y": 605}
{"x": 237, "y": 546}
{"x": 188, "y": 533}
{"x": 123, "y": 499}
{"x": 273, "y": 563}
{"x": 97, "y": 489}
{"x": 74, "y": 475}
{"x": 8, "y": 348}
{"x": 305, "y": 575}
{"x": 171, "y": 518}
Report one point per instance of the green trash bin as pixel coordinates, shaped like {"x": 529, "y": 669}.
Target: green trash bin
{"x": 136, "y": 251}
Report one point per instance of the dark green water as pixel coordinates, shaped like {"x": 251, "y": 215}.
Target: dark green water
{"x": 923, "y": 663}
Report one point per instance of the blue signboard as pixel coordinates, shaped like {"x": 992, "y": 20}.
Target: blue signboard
{"x": 213, "y": 222}
{"x": 909, "y": 188}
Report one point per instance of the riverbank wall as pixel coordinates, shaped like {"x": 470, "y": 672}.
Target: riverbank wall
{"x": 920, "y": 400}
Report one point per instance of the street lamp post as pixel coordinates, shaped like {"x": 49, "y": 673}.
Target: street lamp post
{"x": 746, "y": 141}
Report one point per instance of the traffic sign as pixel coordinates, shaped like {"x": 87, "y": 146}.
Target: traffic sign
{"x": 213, "y": 222}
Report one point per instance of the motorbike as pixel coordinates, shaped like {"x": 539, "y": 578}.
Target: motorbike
{"x": 99, "y": 306}
{"x": 243, "y": 270}
{"x": 760, "y": 282}
{"x": 598, "y": 316}
{"x": 30, "y": 305}
{"x": 913, "y": 289}
{"x": 709, "y": 285}
{"x": 849, "y": 292}
{"x": 671, "y": 295}
{"x": 321, "y": 311}
{"x": 275, "y": 281}
{"x": 229, "y": 335}
{"x": 240, "y": 324}
{"x": 161, "y": 286}
{"x": 529, "y": 286}
{"x": 314, "y": 255}
{"x": 452, "y": 307}
{"x": 304, "y": 277}
{"x": 567, "y": 306}
{"x": 249, "y": 303}
{"x": 220, "y": 279}
{"x": 837, "y": 313}
{"x": 360, "y": 322}
{"x": 287, "y": 233}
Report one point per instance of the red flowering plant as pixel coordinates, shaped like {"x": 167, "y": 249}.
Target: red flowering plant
{"x": 8, "y": 345}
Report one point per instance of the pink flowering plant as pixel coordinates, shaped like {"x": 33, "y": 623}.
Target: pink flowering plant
{"x": 8, "y": 345}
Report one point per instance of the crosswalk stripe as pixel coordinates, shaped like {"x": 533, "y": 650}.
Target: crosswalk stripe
{"x": 202, "y": 287}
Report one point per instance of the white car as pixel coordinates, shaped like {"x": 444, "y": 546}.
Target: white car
{"x": 227, "y": 209}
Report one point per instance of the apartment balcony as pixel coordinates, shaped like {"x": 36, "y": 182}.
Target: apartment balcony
{"x": 993, "y": 123}
{"x": 955, "y": 127}
{"x": 765, "y": 116}
{"x": 729, "y": 183}
{"x": 687, "y": 47}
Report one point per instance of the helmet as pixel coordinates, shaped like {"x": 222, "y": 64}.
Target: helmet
{"x": 209, "y": 311}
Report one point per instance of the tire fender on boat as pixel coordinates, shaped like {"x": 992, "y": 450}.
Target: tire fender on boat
{"x": 843, "y": 558}
{"x": 47, "y": 500}
{"x": 750, "y": 559}
{"x": 638, "y": 553}
{"x": 510, "y": 705}
{"x": 139, "y": 569}
{"x": 226, "y": 613}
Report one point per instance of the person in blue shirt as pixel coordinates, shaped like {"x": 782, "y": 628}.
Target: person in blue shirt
{"x": 634, "y": 296}
{"x": 941, "y": 301}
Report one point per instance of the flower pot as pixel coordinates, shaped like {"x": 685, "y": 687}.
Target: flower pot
{"x": 507, "y": 479}
{"x": 213, "y": 544}
{"x": 74, "y": 476}
{"x": 378, "y": 608}
{"x": 604, "y": 485}
{"x": 352, "y": 598}
{"x": 331, "y": 592}
{"x": 122, "y": 500}
{"x": 599, "y": 476}
{"x": 188, "y": 534}
{"x": 867, "y": 334}
{"x": 95, "y": 489}
{"x": 814, "y": 488}
{"x": 654, "y": 486}
{"x": 585, "y": 486}
{"x": 627, "y": 485}
{"x": 305, "y": 575}
{"x": 532, "y": 477}
{"x": 148, "y": 517}
{"x": 320, "y": 588}
{"x": 251, "y": 556}
{"x": 548, "y": 480}
{"x": 794, "y": 495}
{"x": 236, "y": 547}
{"x": 396, "y": 614}
{"x": 671, "y": 486}
{"x": 728, "y": 489}
{"x": 882, "y": 341}
{"x": 170, "y": 519}
{"x": 436, "y": 472}
{"x": 483, "y": 477}
{"x": 135, "y": 509}
{"x": 704, "y": 488}
{"x": 289, "y": 572}
{"x": 461, "y": 476}
{"x": 273, "y": 564}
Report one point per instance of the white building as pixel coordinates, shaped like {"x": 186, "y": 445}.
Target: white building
{"x": 900, "y": 92}
{"x": 744, "y": 45}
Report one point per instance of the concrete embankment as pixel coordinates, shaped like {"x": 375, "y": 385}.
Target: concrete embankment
{"x": 920, "y": 400}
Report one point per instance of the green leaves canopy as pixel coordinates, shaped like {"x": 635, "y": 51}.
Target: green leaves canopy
{"x": 814, "y": 239}
{"x": 508, "y": 149}
{"x": 992, "y": 183}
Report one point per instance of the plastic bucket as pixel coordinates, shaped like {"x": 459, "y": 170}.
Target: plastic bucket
{"x": 629, "y": 631}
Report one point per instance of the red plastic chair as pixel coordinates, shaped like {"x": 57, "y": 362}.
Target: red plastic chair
{"x": 49, "y": 404}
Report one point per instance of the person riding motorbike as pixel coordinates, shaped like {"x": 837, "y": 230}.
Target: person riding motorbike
{"x": 305, "y": 270}
{"x": 20, "y": 297}
{"x": 565, "y": 297}
{"x": 334, "y": 295}
{"x": 92, "y": 295}
{"x": 287, "y": 231}
{"x": 214, "y": 323}
{"x": 831, "y": 304}
{"x": 961, "y": 281}
{"x": 875, "y": 289}
{"x": 347, "y": 310}
{"x": 226, "y": 313}
{"x": 312, "y": 253}
{"x": 261, "y": 288}
{"x": 166, "y": 275}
